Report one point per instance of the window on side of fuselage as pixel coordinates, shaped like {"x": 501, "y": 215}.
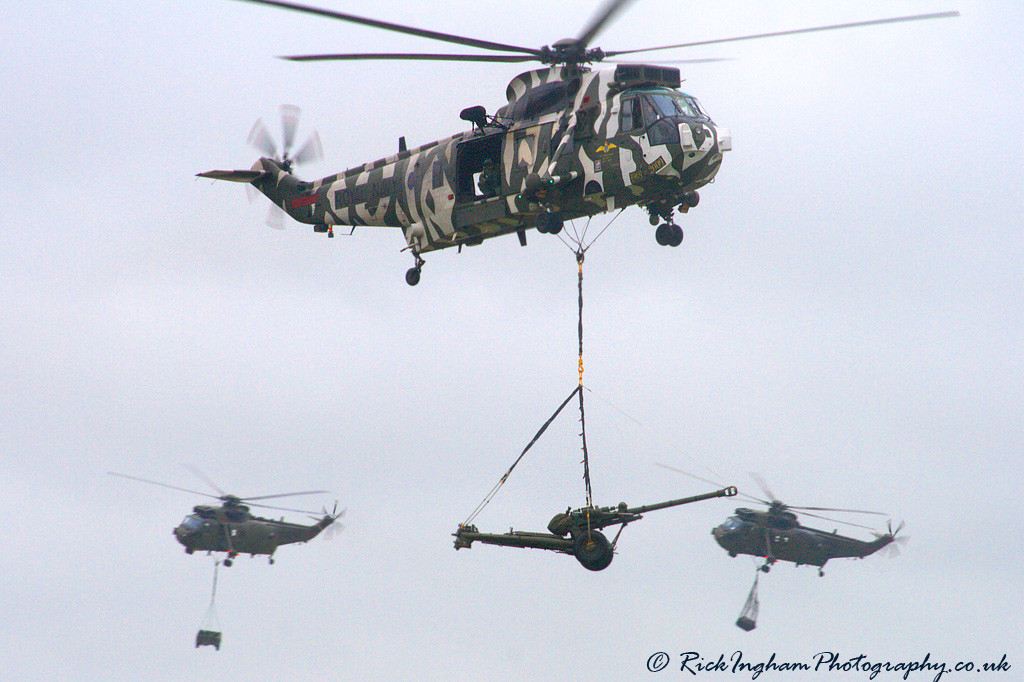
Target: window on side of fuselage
{"x": 630, "y": 118}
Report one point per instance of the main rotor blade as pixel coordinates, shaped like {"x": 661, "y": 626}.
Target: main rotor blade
{"x": 763, "y": 485}
{"x": 705, "y": 60}
{"x": 397, "y": 28}
{"x": 833, "y": 509}
{"x": 687, "y": 473}
{"x": 597, "y": 24}
{"x": 205, "y": 479}
{"x": 164, "y": 485}
{"x": 413, "y": 56}
{"x": 267, "y": 506}
{"x": 845, "y": 523}
{"x": 856, "y": 24}
{"x": 270, "y": 497}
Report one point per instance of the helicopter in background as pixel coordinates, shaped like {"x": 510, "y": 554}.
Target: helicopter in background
{"x": 570, "y": 142}
{"x": 231, "y": 528}
{"x": 777, "y": 535}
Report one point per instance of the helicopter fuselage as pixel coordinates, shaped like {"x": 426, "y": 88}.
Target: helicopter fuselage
{"x": 211, "y": 530}
{"x": 570, "y": 142}
{"x": 757, "y": 534}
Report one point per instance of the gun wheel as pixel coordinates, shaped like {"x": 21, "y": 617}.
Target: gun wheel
{"x": 593, "y": 550}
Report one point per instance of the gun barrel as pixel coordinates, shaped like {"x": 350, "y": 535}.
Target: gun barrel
{"x": 729, "y": 491}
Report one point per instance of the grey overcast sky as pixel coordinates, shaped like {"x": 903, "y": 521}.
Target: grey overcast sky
{"x": 844, "y": 317}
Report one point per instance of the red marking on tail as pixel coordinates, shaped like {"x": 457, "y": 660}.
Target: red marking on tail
{"x": 304, "y": 201}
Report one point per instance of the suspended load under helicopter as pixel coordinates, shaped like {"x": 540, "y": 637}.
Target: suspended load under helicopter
{"x": 578, "y": 532}
{"x": 209, "y": 633}
{"x": 748, "y": 616}
{"x": 574, "y": 532}
{"x": 570, "y": 142}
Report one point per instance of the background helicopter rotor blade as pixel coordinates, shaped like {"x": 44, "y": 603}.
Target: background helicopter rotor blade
{"x": 164, "y": 485}
{"x": 797, "y": 31}
{"x": 827, "y": 518}
{"x": 716, "y": 484}
{"x": 410, "y": 56}
{"x": 267, "y": 506}
{"x": 763, "y": 485}
{"x": 205, "y": 479}
{"x": 270, "y": 497}
{"x": 834, "y": 509}
{"x": 397, "y": 28}
{"x": 601, "y": 19}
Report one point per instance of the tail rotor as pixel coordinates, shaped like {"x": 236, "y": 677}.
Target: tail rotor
{"x": 892, "y": 550}
{"x": 262, "y": 140}
{"x": 333, "y": 526}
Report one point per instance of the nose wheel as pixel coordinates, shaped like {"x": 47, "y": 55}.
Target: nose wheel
{"x": 669, "y": 234}
{"x": 549, "y": 223}
{"x": 412, "y": 275}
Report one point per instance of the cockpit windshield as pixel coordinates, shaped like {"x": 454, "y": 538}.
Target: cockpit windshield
{"x": 732, "y": 523}
{"x": 192, "y": 522}
{"x": 670, "y": 103}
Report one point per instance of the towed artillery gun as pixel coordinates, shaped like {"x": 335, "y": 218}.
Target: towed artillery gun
{"x": 578, "y": 532}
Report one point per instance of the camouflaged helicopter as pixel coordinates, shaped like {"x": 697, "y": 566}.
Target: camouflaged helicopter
{"x": 232, "y": 529}
{"x": 777, "y": 535}
{"x": 571, "y": 142}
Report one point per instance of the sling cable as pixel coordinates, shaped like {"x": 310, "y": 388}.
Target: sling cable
{"x": 574, "y": 532}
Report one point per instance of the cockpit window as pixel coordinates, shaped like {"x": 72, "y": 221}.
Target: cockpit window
{"x": 630, "y": 117}
{"x": 647, "y": 107}
{"x": 675, "y": 104}
{"x": 732, "y": 523}
{"x": 192, "y": 523}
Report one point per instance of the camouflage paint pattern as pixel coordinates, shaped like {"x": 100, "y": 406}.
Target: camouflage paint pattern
{"x": 562, "y": 149}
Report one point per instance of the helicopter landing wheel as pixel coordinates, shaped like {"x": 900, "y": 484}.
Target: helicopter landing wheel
{"x": 766, "y": 568}
{"x": 669, "y": 234}
{"x": 412, "y": 275}
{"x": 675, "y": 235}
{"x": 663, "y": 234}
{"x": 549, "y": 223}
{"x": 228, "y": 562}
{"x": 821, "y": 573}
